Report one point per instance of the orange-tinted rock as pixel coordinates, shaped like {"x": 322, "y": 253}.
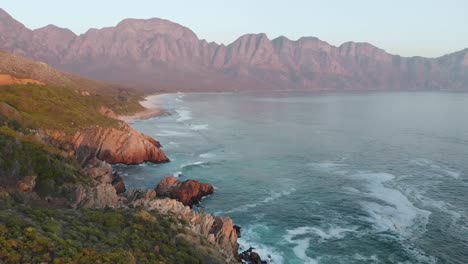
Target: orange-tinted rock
{"x": 159, "y": 53}
{"x": 27, "y": 183}
{"x": 188, "y": 192}
{"x": 117, "y": 145}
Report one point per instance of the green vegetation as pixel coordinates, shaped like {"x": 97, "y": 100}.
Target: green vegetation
{"x": 35, "y": 235}
{"x": 22, "y": 155}
{"x": 62, "y": 109}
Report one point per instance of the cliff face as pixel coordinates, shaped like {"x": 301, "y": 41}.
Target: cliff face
{"x": 124, "y": 145}
{"x": 163, "y": 53}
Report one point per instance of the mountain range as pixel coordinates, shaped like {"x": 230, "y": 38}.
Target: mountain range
{"x": 159, "y": 54}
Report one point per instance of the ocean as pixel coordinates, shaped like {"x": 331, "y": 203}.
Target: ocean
{"x": 338, "y": 178}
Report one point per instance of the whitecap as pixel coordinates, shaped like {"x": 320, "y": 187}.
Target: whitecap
{"x": 333, "y": 232}
{"x": 171, "y": 133}
{"x": 277, "y": 195}
{"x": 193, "y": 164}
{"x": 268, "y": 199}
{"x": 453, "y": 174}
{"x": 301, "y": 237}
{"x": 328, "y": 166}
{"x": 250, "y": 238}
{"x": 372, "y": 258}
{"x": 198, "y": 127}
{"x": 184, "y": 115}
{"x": 350, "y": 189}
{"x": 421, "y": 162}
{"x": 207, "y": 155}
{"x": 177, "y": 174}
{"x": 439, "y": 205}
{"x": 394, "y": 212}
{"x": 441, "y": 169}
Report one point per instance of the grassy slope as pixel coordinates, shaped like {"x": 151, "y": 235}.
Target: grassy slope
{"x": 55, "y": 108}
{"x": 65, "y": 90}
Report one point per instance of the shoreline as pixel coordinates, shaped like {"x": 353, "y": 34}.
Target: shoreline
{"x": 152, "y": 104}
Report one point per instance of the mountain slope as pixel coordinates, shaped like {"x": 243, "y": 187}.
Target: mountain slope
{"x": 159, "y": 53}
{"x": 60, "y": 201}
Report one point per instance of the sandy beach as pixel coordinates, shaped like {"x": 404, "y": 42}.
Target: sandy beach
{"x": 152, "y": 103}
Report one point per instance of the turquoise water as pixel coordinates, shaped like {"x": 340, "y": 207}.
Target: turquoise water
{"x": 358, "y": 178}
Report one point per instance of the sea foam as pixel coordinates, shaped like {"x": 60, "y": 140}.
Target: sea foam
{"x": 184, "y": 115}
{"x": 207, "y": 155}
{"x": 440, "y": 169}
{"x": 251, "y": 237}
{"x": 301, "y": 237}
{"x": 329, "y": 167}
{"x": 198, "y": 127}
{"x": 268, "y": 199}
{"x": 172, "y": 133}
{"x": 394, "y": 211}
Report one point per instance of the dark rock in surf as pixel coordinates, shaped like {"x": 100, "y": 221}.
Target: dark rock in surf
{"x": 251, "y": 257}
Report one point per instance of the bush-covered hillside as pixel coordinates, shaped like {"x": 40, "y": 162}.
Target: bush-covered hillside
{"x": 37, "y": 235}
{"x": 62, "y": 109}
{"x": 22, "y": 155}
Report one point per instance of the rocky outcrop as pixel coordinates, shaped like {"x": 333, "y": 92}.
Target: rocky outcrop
{"x": 27, "y": 183}
{"x": 188, "y": 192}
{"x": 117, "y": 145}
{"x": 101, "y": 196}
{"x": 10, "y": 112}
{"x": 118, "y": 183}
{"x": 98, "y": 170}
{"x": 219, "y": 230}
{"x": 251, "y": 257}
{"x": 157, "y": 52}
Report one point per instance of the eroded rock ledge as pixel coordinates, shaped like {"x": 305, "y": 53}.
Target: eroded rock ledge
{"x": 124, "y": 145}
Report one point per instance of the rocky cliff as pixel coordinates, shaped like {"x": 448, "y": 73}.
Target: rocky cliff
{"x": 117, "y": 145}
{"x": 219, "y": 230}
{"x": 159, "y": 52}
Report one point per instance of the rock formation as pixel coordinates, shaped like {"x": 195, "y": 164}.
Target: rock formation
{"x": 219, "y": 230}
{"x": 113, "y": 145}
{"x": 27, "y": 183}
{"x": 188, "y": 192}
{"x": 101, "y": 196}
{"x": 251, "y": 257}
{"x": 118, "y": 183}
{"x": 160, "y": 53}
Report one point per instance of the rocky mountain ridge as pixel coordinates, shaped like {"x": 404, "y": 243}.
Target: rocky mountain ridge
{"x": 160, "y": 53}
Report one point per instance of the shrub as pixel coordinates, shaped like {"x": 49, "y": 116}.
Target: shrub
{"x": 32, "y": 234}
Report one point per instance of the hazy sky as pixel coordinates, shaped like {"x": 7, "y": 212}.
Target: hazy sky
{"x": 406, "y": 27}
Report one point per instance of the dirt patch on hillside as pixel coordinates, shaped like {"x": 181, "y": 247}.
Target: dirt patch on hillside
{"x": 6, "y": 79}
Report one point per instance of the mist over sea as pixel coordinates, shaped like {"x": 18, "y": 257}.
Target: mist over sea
{"x": 351, "y": 178}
